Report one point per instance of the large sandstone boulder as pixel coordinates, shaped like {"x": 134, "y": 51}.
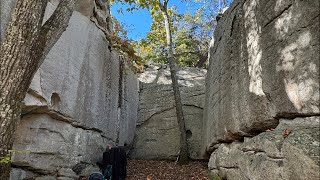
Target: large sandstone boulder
{"x": 289, "y": 152}
{"x": 82, "y": 97}
{"x": 264, "y": 74}
{"x": 157, "y": 133}
{"x": 264, "y": 66}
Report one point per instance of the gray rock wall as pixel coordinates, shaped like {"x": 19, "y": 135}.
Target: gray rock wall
{"x": 81, "y": 98}
{"x": 157, "y": 133}
{"x": 290, "y": 152}
{"x": 97, "y": 10}
{"x": 6, "y": 8}
{"x": 264, "y": 68}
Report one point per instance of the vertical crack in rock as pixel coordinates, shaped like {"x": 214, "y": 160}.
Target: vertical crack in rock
{"x": 277, "y": 16}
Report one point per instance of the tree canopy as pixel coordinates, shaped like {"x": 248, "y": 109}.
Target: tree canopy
{"x": 191, "y": 31}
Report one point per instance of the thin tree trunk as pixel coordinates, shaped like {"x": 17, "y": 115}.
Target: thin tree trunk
{"x": 25, "y": 46}
{"x": 184, "y": 157}
{"x": 202, "y": 61}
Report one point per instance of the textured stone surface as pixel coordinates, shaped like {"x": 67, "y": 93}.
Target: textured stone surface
{"x": 101, "y": 14}
{"x": 98, "y": 11}
{"x": 6, "y": 8}
{"x": 264, "y": 73}
{"x": 17, "y": 173}
{"x": 157, "y": 135}
{"x": 88, "y": 170}
{"x": 290, "y": 152}
{"x": 264, "y": 66}
{"x": 81, "y": 98}
{"x": 85, "y": 7}
{"x": 46, "y": 178}
{"x": 46, "y": 144}
{"x": 66, "y": 172}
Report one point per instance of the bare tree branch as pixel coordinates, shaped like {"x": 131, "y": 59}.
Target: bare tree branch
{"x": 165, "y": 4}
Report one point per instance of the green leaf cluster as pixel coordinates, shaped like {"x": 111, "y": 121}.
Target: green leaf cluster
{"x": 191, "y": 35}
{"x": 6, "y": 159}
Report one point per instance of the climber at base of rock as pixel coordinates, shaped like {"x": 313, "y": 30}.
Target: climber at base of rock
{"x": 114, "y": 163}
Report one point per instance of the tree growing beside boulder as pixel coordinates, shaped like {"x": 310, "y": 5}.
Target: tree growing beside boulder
{"x": 158, "y": 6}
{"x": 26, "y": 43}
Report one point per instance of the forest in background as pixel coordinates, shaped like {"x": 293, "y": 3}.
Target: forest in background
{"x": 191, "y": 32}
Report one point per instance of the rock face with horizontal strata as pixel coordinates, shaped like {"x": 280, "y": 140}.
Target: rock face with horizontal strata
{"x": 157, "y": 133}
{"x": 264, "y": 67}
{"x": 291, "y": 152}
{"x": 82, "y": 97}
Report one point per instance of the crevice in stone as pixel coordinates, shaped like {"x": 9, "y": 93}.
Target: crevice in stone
{"x": 239, "y": 137}
{"x": 228, "y": 167}
{"x": 167, "y": 129}
{"x": 48, "y": 153}
{"x": 194, "y": 95}
{"x": 40, "y": 80}
{"x": 231, "y": 137}
{"x": 37, "y": 95}
{"x": 287, "y": 115}
{"x": 36, "y": 171}
{"x": 257, "y": 151}
{"x": 192, "y": 105}
{"x": 156, "y": 113}
{"x": 232, "y": 24}
{"x": 106, "y": 137}
{"x": 234, "y": 7}
{"x": 278, "y": 15}
{"x": 60, "y": 117}
{"x": 260, "y": 127}
{"x": 120, "y": 83}
{"x": 51, "y": 131}
{"x": 213, "y": 169}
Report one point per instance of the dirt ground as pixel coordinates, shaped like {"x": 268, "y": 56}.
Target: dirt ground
{"x": 166, "y": 170}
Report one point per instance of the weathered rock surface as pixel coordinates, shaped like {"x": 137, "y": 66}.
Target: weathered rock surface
{"x": 157, "y": 133}
{"x": 263, "y": 74}
{"x": 6, "y": 7}
{"x": 264, "y": 66}
{"x": 82, "y": 97}
{"x": 98, "y": 11}
{"x": 291, "y": 151}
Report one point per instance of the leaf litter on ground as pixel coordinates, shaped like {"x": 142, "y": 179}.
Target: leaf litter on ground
{"x": 166, "y": 170}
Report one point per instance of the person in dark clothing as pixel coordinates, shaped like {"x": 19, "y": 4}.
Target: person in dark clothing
{"x": 114, "y": 164}
{"x": 120, "y": 163}
{"x": 108, "y": 162}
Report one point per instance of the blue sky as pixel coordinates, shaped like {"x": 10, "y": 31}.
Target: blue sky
{"x": 139, "y": 21}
